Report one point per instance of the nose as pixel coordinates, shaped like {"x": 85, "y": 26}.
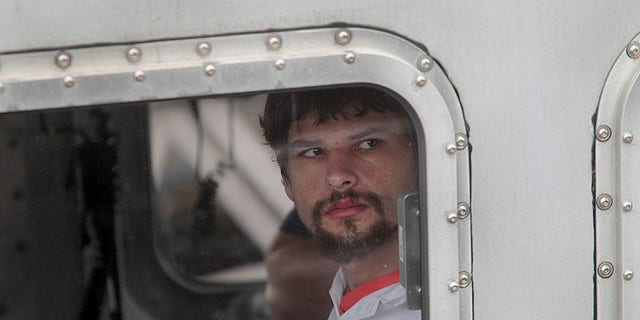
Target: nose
{"x": 340, "y": 172}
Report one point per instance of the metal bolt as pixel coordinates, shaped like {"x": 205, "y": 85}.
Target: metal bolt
{"x": 605, "y": 270}
{"x": 421, "y": 81}
{"x": 461, "y": 141}
{"x": 69, "y": 82}
{"x": 464, "y": 278}
{"x": 451, "y": 149}
{"x": 350, "y": 57}
{"x": 463, "y": 210}
{"x": 452, "y": 218}
{"x": 418, "y": 212}
{"x": 424, "y": 63}
{"x": 454, "y": 286}
{"x": 628, "y": 275}
{"x": 133, "y": 54}
{"x": 633, "y": 50}
{"x": 280, "y": 64}
{"x": 342, "y": 37}
{"x": 627, "y": 206}
{"x": 603, "y": 133}
{"x": 63, "y": 60}
{"x": 203, "y": 49}
{"x": 210, "y": 69}
{"x": 604, "y": 201}
{"x": 139, "y": 75}
{"x": 274, "y": 42}
{"x": 627, "y": 137}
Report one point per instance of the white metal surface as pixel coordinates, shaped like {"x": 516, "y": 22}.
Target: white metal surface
{"x": 529, "y": 75}
{"x": 616, "y": 168}
{"x": 629, "y": 264}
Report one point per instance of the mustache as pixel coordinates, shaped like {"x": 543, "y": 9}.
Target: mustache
{"x": 373, "y": 199}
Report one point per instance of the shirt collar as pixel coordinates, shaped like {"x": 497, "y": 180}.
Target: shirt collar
{"x": 344, "y": 301}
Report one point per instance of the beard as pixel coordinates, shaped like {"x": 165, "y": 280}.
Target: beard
{"x": 353, "y": 244}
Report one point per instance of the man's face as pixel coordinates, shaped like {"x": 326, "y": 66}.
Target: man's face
{"x": 345, "y": 177}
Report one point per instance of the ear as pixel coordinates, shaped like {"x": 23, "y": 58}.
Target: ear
{"x": 284, "y": 179}
{"x": 287, "y": 189}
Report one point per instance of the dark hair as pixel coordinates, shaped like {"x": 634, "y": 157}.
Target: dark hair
{"x": 284, "y": 108}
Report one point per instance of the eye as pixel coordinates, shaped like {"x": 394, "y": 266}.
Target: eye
{"x": 368, "y": 144}
{"x": 312, "y": 153}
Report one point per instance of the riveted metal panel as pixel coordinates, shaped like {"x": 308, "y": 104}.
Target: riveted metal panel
{"x": 529, "y": 74}
{"x": 304, "y": 58}
{"x": 616, "y": 189}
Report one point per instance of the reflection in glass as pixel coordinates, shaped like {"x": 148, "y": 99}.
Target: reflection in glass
{"x": 217, "y": 196}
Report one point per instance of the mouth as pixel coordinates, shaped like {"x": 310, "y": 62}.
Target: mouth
{"x": 345, "y": 208}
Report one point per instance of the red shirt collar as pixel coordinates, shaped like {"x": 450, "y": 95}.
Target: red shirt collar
{"x": 351, "y": 297}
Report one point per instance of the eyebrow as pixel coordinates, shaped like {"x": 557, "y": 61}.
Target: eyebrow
{"x": 368, "y": 132}
{"x": 303, "y": 143}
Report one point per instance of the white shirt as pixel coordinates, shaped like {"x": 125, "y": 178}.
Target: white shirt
{"x": 385, "y": 303}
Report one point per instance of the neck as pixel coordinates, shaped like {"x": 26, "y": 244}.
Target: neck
{"x": 380, "y": 262}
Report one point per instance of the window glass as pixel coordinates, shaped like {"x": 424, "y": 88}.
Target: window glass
{"x": 213, "y": 186}
{"x": 180, "y": 209}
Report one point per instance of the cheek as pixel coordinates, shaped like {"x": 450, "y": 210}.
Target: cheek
{"x": 303, "y": 189}
{"x": 304, "y": 177}
{"x": 398, "y": 176}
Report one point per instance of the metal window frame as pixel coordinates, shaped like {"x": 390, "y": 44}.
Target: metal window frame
{"x": 285, "y": 60}
{"x": 616, "y": 219}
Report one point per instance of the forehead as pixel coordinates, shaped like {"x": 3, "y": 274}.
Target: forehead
{"x": 348, "y": 124}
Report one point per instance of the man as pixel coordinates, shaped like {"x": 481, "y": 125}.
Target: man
{"x": 346, "y": 155}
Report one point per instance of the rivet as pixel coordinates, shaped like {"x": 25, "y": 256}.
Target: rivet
{"x": 452, "y": 218}
{"x": 273, "y": 42}
{"x": 628, "y": 275}
{"x": 454, "y": 286}
{"x": 451, "y": 149}
{"x": 210, "y": 69}
{"x": 280, "y": 64}
{"x": 627, "y": 206}
{"x": 424, "y": 63}
{"x": 133, "y": 54}
{"x": 417, "y": 212}
{"x": 604, "y": 201}
{"x": 463, "y": 210}
{"x": 139, "y": 75}
{"x": 203, "y": 49}
{"x": 68, "y": 81}
{"x": 421, "y": 81}
{"x": 633, "y": 50}
{"x": 350, "y": 57}
{"x": 627, "y": 137}
{"x": 461, "y": 141}
{"x": 603, "y": 133}
{"x": 464, "y": 278}
{"x": 63, "y": 60}
{"x": 605, "y": 270}
{"x": 343, "y": 37}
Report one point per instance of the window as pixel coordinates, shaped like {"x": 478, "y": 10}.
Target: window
{"x": 195, "y": 196}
